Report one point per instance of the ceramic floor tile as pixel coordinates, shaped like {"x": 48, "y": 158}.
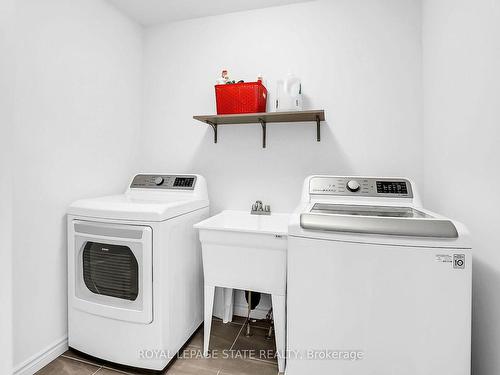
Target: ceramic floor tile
{"x": 195, "y": 366}
{"x": 257, "y": 345}
{"x": 74, "y": 355}
{"x": 248, "y": 367}
{"x": 238, "y": 319}
{"x": 197, "y": 339}
{"x": 105, "y": 365}
{"x": 66, "y": 366}
{"x": 222, "y": 336}
{"x": 107, "y": 371}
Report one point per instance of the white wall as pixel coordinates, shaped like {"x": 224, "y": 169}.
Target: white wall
{"x": 461, "y": 44}
{"x": 78, "y": 110}
{"x": 359, "y": 60}
{"x": 6, "y": 116}
{"x": 462, "y": 136}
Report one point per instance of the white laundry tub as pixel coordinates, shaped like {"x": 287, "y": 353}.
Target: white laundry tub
{"x": 244, "y": 251}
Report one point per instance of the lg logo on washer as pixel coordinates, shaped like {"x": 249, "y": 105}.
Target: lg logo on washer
{"x": 459, "y": 261}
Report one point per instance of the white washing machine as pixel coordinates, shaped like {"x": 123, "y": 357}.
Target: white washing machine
{"x": 376, "y": 284}
{"x": 135, "y": 278}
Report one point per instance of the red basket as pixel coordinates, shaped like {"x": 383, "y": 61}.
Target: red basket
{"x": 247, "y": 97}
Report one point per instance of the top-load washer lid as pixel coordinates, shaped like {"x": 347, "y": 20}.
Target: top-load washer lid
{"x": 150, "y": 197}
{"x": 367, "y": 210}
{"x": 373, "y": 219}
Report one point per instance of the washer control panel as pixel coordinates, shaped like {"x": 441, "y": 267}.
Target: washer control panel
{"x": 360, "y": 186}
{"x": 155, "y": 181}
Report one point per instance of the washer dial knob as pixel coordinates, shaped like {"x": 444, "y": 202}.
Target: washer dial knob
{"x": 353, "y": 186}
{"x": 159, "y": 180}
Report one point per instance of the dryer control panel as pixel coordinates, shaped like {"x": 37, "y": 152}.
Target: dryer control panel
{"x": 360, "y": 186}
{"x": 157, "y": 181}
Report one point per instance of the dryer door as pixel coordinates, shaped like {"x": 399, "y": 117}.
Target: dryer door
{"x": 110, "y": 270}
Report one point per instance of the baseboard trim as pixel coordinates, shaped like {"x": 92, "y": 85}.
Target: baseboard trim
{"x": 42, "y": 358}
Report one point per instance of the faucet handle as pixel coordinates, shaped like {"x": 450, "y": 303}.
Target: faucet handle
{"x": 259, "y": 209}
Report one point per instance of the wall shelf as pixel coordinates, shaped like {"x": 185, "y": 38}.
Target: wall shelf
{"x": 263, "y": 119}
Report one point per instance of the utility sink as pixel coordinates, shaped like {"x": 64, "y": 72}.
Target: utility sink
{"x": 244, "y": 251}
{"x": 243, "y": 221}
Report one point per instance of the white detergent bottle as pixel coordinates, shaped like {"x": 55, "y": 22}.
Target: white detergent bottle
{"x": 289, "y": 94}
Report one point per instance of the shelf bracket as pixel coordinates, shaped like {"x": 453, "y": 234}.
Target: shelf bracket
{"x": 214, "y": 127}
{"x": 263, "y": 124}
{"x": 318, "y": 129}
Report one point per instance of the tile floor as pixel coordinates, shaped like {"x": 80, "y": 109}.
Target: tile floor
{"x": 252, "y": 355}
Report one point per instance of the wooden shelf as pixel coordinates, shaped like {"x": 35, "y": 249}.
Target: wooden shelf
{"x": 263, "y": 119}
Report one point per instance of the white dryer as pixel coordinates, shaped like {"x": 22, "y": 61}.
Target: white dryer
{"x": 135, "y": 278}
{"x": 376, "y": 284}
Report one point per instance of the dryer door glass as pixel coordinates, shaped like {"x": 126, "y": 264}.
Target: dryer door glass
{"x": 111, "y": 270}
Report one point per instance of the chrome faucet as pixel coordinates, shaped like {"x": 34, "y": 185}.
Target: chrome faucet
{"x": 259, "y": 209}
